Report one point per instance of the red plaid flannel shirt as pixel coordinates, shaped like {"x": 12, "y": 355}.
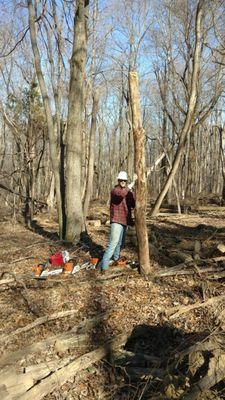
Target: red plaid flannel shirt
{"x": 121, "y": 203}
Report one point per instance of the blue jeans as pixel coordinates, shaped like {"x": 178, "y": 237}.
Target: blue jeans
{"x": 115, "y": 242}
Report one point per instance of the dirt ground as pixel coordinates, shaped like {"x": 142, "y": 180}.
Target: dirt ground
{"x": 153, "y": 363}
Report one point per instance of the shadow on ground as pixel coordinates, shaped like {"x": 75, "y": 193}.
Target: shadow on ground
{"x": 152, "y": 366}
{"x": 49, "y": 234}
{"x": 94, "y": 249}
{"x": 168, "y": 237}
{"x": 86, "y": 242}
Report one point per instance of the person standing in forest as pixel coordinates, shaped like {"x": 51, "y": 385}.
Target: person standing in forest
{"x": 121, "y": 204}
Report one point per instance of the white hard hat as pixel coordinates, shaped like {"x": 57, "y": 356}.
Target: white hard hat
{"x": 122, "y": 175}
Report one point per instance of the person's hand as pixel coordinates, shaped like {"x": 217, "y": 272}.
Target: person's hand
{"x": 131, "y": 185}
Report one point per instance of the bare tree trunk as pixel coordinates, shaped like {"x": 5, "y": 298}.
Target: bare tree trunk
{"x": 90, "y": 170}
{"x": 122, "y": 140}
{"x": 74, "y": 211}
{"x": 191, "y": 107}
{"x": 57, "y": 90}
{"x": 89, "y": 92}
{"x": 140, "y": 168}
{"x": 51, "y": 195}
{"x": 85, "y": 148}
{"x": 29, "y": 162}
{"x": 222, "y": 141}
{"x": 174, "y": 186}
{"x": 99, "y": 162}
{"x": 130, "y": 156}
{"x": 53, "y": 144}
{"x": 191, "y": 167}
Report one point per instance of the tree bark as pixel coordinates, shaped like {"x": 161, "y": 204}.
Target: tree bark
{"x": 191, "y": 187}
{"x": 74, "y": 211}
{"x": 189, "y": 121}
{"x": 222, "y": 141}
{"x": 130, "y": 149}
{"x": 90, "y": 170}
{"x": 140, "y": 168}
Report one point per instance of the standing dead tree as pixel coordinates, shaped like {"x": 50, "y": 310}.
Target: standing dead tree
{"x": 140, "y": 168}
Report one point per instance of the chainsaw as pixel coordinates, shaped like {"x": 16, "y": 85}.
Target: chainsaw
{"x": 57, "y": 264}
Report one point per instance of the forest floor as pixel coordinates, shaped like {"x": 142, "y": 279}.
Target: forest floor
{"x": 169, "y": 327}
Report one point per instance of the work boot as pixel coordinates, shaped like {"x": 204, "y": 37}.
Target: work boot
{"x": 120, "y": 262}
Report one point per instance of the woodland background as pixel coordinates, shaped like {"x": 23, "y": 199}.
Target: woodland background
{"x": 156, "y": 39}
{"x": 67, "y": 128}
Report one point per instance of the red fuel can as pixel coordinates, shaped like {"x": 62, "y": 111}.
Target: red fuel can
{"x": 56, "y": 259}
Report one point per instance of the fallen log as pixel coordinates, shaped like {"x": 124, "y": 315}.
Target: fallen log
{"x": 215, "y": 374}
{"x": 17, "y": 381}
{"x": 216, "y": 275}
{"x": 207, "y": 345}
{"x": 128, "y": 355}
{"x": 12, "y": 358}
{"x": 177, "y": 311}
{"x": 220, "y": 258}
{"x": 137, "y": 373}
{"x": 221, "y": 248}
{"x": 188, "y": 268}
{"x": 44, "y": 345}
{"x": 59, "y": 343}
{"x": 56, "y": 379}
{"x": 3, "y": 393}
{"x": 37, "y": 322}
{"x": 16, "y": 278}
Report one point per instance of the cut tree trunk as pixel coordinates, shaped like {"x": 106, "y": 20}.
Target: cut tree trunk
{"x": 140, "y": 168}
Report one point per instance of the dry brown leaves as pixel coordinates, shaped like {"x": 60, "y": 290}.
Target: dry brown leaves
{"x": 129, "y": 301}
